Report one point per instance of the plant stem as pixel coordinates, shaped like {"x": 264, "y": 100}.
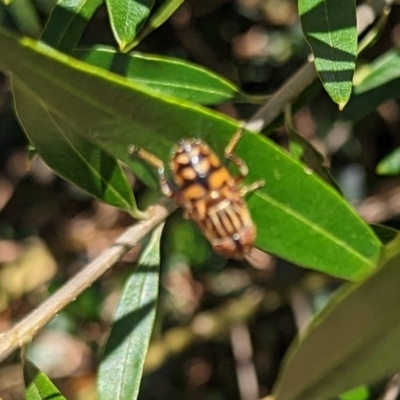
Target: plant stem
{"x": 26, "y": 329}
{"x": 305, "y": 76}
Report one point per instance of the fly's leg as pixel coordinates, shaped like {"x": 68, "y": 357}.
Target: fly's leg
{"x": 240, "y": 164}
{"x": 229, "y": 154}
{"x": 252, "y": 187}
{"x": 155, "y": 162}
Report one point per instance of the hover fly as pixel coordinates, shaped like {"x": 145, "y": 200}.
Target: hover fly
{"x": 209, "y": 194}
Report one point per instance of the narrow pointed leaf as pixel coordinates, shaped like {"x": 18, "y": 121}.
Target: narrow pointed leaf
{"x": 164, "y": 75}
{"x": 299, "y": 217}
{"x": 122, "y": 366}
{"x": 302, "y": 150}
{"x": 330, "y": 29}
{"x": 67, "y": 22}
{"x": 60, "y": 146}
{"x": 352, "y": 342}
{"x": 167, "y": 8}
{"x": 127, "y": 17}
{"x": 25, "y": 16}
{"x": 382, "y": 70}
{"x": 382, "y": 82}
{"x": 38, "y": 385}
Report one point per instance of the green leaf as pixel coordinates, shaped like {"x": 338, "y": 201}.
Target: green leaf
{"x": 167, "y": 8}
{"x": 302, "y": 150}
{"x": 38, "y": 385}
{"x": 127, "y": 17}
{"x": 67, "y": 22}
{"x": 382, "y": 70}
{"x": 164, "y": 75}
{"x": 352, "y": 342}
{"x": 26, "y": 17}
{"x": 390, "y": 165}
{"x": 330, "y": 29}
{"x": 380, "y": 83}
{"x": 385, "y": 233}
{"x": 121, "y": 369}
{"x": 181, "y": 237}
{"x": 359, "y": 393}
{"x": 60, "y": 146}
{"x": 299, "y": 217}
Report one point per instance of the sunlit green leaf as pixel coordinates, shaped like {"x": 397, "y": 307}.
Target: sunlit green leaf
{"x": 127, "y": 17}
{"x": 359, "y": 393}
{"x": 38, "y": 385}
{"x": 331, "y": 31}
{"x": 299, "y": 217}
{"x": 67, "y": 22}
{"x": 122, "y": 366}
{"x": 165, "y": 75}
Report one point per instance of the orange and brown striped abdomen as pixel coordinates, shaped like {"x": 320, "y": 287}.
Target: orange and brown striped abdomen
{"x": 209, "y": 194}
{"x": 229, "y": 228}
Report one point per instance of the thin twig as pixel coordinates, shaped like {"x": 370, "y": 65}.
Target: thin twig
{"x": 26, "y": 329}
{"x": 245, "y": 369}
{"x": 392, "y": 389}
{"x": 290, "y": 90}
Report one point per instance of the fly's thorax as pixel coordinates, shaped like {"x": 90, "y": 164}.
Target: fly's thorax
{"x": 197, "y": 171}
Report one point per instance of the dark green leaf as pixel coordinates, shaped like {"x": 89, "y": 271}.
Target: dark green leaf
{"x": 127, "y": 17}
{"x": 121, "y": 369}
{"x": 352, "y": 341}
{"x": 181, "y": 237}
{"x": 38, "y": 385}
{"x": 299, "y": 217}
{"x": 381, "y": 83}
{"x": 373, "y": 34}
{"x": 164, "y": 75}
{"x": 25, "y": 17}
{"x": 302, "y": 150}
{"x": 384, "y": 233}
{"x": 61, "y": 147}
{"x": 330, "y": 29}
{"x": 67, "y": 22}
{"x": 167, "y": 8}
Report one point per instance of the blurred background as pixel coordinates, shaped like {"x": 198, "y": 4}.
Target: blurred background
{"x": 222, "y": 327}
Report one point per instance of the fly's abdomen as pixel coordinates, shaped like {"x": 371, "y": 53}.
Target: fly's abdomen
{"x": 228, "y": 227}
